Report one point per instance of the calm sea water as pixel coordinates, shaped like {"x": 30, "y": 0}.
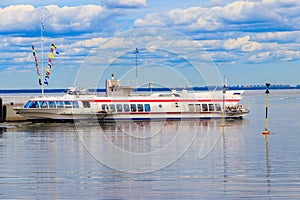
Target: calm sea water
{"x": 159, "y": 160}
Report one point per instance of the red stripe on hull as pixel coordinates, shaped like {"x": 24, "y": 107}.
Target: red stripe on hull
{"x": 161, "y": 100}
{"x": 167, "y": 113}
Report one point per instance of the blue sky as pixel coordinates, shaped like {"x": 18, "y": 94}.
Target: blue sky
{"x": 249, "y": 42}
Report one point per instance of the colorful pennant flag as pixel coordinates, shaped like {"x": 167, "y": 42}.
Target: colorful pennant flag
{"x": 50, "y": 62}
{"x": 47, "y": 73}
{"x": 36, "y": 65}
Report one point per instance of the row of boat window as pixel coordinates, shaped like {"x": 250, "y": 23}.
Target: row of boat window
{"x": 126, "y": 107}
{"x": 204, "y": 107}
{"x": 55, "y": 104}
{"x": 117, "y": 107}
{"x": 146, "y": 107}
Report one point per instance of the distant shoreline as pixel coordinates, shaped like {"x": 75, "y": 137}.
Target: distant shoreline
{"x": 197, "y": 88}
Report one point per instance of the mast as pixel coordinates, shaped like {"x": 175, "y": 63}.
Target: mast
{"x": 42, "y": 46}
{"x": 223, "y": 109}
{"x": 136, "y": 67}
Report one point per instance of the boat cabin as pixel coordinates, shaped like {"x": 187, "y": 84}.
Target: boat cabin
{"x": 57, "y": 104}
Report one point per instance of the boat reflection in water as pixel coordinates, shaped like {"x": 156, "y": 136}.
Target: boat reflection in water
{"x": 146, "y": 146}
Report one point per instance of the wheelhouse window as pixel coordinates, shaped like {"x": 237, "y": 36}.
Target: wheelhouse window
{"x": 30, "y": 104}
{"x": 68, "y": 104}
{"x": 60, "y": 104}
{"x": 55, "y": 104}
{"x": 50, "y": 104}
{"x": 45, "y": 104}
{"x": 34, "y": 105}
{"x": 40, "y": 104}
{"x": 27, "y": 104}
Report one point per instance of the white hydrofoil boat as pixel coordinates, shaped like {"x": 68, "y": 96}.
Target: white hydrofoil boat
{"x": 120, "y": 103}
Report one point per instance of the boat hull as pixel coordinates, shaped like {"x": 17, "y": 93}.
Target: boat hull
{"x": 104, "y": 117}
{"x": 55, "y": 114}
{"x": 67, "y": 115}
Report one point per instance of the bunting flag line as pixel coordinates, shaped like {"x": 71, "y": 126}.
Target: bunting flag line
{"x": 47, "y": 73}
{"x": 50, "y": 62}
{"x": 36, "y": 65}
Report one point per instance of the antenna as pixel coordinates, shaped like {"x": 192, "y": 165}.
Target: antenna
{"x": 136, "y": 51}
{"x": 225, "y": 81}
{"x": 42, "y": 46}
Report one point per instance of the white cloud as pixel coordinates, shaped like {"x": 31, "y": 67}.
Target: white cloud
{"x": 276, "y": 55}
{"x": 23, "y": 58}
{"x": 16, "y": 69}
{"x": 242, "y": 43}
{"x": 87, "y": 18}
{"x": 280, "y": 37}
{"x": 252, "y": 46}
{"x": 115, "y": 42}
{"x": 125, "y": 3}
{"x": 287, "y": 55}
{"x": 267, "y": 30}
{"x": 19, "y": 17}
{"x": 237, "y": 11}
{"x": 261, "y": 57}
{"x": 236, "y": 16}
{"x": 154, "y": 22}
{"x": 236, "y": 43}
{"x": 190, "y": 18}
{"x": 88, "y": 43}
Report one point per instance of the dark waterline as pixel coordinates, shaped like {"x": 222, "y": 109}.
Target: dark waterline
{"x": 60, "y": 161}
